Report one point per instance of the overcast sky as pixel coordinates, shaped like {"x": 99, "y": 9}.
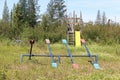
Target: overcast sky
{"x": 89, "y": 8}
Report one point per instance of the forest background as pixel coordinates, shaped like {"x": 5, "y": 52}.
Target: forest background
{"x": 24, "y": 22}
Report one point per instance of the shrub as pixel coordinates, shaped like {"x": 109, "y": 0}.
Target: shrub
{"x": 102, "y": 34}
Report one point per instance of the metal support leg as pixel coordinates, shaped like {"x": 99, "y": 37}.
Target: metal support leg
{"x": 21, "y": 56}
{"x": 96, "y": 59}
{"x": 59, "y": 59}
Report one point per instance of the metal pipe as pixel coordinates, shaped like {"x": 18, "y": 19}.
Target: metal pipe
{"x": 46, "y": 55}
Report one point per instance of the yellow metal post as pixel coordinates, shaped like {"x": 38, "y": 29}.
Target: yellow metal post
{"x": 77, "y": 39}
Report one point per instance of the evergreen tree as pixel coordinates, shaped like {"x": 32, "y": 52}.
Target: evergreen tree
{"x": 5, "y": 16}
{"x": 5, "y": 20}
{"x": 45, "y": 22}
{"x": 104, "y": 19}
{"x": 30, "y": 11}
{"x": 23, "y": 4}
{"x": 17, "y": 21}
{"x": 98, "y": 18}
{"x": 32, "y": 17}
{"x": 56, "y": 9}
{"x": 55, "y": 16}
{"x": 11, "y": 15}
{"x": 51, "y": 9}
{"x": 60, "y": 9}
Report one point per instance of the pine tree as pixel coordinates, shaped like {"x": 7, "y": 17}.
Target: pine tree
{"x": 23, "y": 4}
{"x": 30, "y": 11}
{"x": 60, "y": 8}
{"x": 32, "y": 17}
{"x": 55, "y": 16}
{"x": 5, "y": 16}
{"x": 104, "y": 19}
{"x": 17, "y": 21}
{"x": 45, "y": 22}
{"x": 98, "y": 18}
{"x": 56, "y": 9}
{"x": 51, "y": 9}
{"x": 5, "y": 20}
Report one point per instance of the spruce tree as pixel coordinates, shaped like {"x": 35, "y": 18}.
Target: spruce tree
{"x": 56, "y": 9}
{"x": 5, "y": 20}
{"x": 32, "y": 18}
{"x": 23, "y": 4}
{"x": 55, "y": 20}
{"x": 104, "y": 19}
{"x": 5, "y": 16}
{"x": 17, "y": 21}
{"x": 51, "y": 10}
{"x": 98, "y": 18}
{"x": 60, "y": 9}
{"x": 30, "y": 11}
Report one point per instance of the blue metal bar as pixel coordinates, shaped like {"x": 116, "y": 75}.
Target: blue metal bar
{"x": 46, "y": 55}
{"x": 96, "y": 59}
{"x": 94, "y": 62}
{"x": 88, "y": 53}
{"x": 59, "y": 59}
{"x": 61, "y": 55}
{"x": 69, "y": 54}
{"x": 50, "y": 52}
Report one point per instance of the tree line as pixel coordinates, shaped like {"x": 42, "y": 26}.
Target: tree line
{"x": 24, "y": 21}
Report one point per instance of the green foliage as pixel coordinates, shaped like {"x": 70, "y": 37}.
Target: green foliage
{"x": 17, "y": 21}
{"x": 53, "y": 23}
{"x": 29, "y": 9}
{"x": 29, "y": 33}
{"x": 23, "y": 24}
{"x": 32, "y": 9}
{"x": 4, "y": 29}
{"x": 50, "y": 9}
{"x": 56, "y": 34}
{"x": 39, "y": 68}
{"x": 56, "y": 9}
{"x": 60, "y": 8}
{"x": 45, "y": 23}
{"x": 53, "y": 30}
{"x": 4, "y": 23}
{"x": 102, "y": 34}
{"x": 5, "y": 16}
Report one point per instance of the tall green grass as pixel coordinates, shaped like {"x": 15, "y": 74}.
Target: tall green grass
{"x": 39, "y": 68}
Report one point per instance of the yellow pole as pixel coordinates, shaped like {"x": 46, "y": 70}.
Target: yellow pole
{"x": 77, "y": 39}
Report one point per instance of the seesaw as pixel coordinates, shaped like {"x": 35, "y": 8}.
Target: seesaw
{"x": 94, "y": 62}
{"x": 69, "y": 54}
{"x": 94, "y": 58}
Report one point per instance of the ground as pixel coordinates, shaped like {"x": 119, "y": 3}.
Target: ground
{"x": 39, "y": 68}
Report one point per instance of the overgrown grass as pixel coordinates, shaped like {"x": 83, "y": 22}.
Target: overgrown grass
{"x": 39, "y": 68}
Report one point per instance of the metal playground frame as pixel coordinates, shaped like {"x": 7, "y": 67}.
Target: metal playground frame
{"x": 93, "y": 58}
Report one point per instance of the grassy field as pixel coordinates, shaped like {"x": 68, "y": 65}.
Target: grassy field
{"x": 39, "y": 68}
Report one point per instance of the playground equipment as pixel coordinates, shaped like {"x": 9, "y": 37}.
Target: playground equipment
{"x": 94, "y": 62}
{"x": 94, "y": 58}
{"x": 74, "y": 28}
{"x": 69, "y": 53}
{"x": 77, "y": 39}
{"x": 54, "y": 64}
{"x": 31, "y": 42}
